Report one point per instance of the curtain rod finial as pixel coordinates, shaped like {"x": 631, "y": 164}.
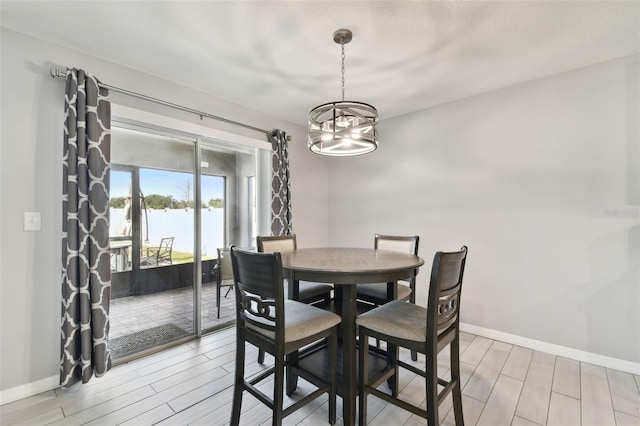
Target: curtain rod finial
{"x": 56, "y": 73}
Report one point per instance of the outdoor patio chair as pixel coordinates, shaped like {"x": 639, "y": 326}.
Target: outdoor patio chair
{"x": 224, "y": 275}
{"x": 159, "y": 255}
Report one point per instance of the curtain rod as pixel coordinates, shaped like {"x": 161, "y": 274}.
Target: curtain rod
{"x": 56, "y": 73}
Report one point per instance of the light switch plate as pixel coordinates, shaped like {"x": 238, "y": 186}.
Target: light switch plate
{"x": 32, "y": 221}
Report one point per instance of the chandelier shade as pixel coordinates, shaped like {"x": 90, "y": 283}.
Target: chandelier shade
{"x": 343, "y": 128}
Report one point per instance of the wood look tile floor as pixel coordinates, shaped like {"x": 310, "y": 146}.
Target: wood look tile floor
{"x": 191, "y": 384}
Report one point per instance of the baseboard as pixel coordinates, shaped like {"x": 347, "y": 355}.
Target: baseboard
{"x": 563, "y": 351}
{"x": 29, "y": 389}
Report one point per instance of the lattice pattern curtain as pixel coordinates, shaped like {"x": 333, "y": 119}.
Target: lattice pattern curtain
{"x": 280, "y": 185}
{"x": 86, "y": 273}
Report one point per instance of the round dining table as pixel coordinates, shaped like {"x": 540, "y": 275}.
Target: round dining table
{"x": 346, "y": 268}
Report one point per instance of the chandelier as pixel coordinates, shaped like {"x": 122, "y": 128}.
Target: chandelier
{"x": 343, "y": 128}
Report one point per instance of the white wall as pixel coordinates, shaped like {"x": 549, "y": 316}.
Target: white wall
{"x": 541, "y": 181}
{"x": 31, "y": 173}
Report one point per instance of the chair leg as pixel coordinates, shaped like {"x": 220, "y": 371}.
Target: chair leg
{"x": 363, "y": 350}
{"x": 412, "y": 299}
{"x": 292, "y": 378}
{"x": 455, "y": 375}
{"x": 333, "y": 367}
{"x": 239, "y": 381}
{"x": 431, "y": 381}
{"x": 392, "y": 359}
{"x": 260, "y": 356}
{"x": 278, "y": 389}
{"x": 228, "y": 290}
{"x": 457, "y": 404}
{"x": 218, "y": 298}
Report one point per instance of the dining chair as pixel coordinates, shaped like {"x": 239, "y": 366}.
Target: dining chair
{"x": 376, "y": 294}
{"x": 426, "y": 330}
{"x": 224, "y": 274}
{"x": 160, "y": 254}
{"x": 280, "y": 327}
{"x": 309, "y": 292}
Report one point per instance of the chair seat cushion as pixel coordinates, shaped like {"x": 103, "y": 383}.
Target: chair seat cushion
{"x": 309, "y": 289}
{"x": 399, "y": 319}
{"x": 227, "y": 282}
{"x": 301, "y": 321}
{"x": 379, "y": 291}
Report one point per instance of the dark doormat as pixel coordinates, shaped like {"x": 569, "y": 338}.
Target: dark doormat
{"x": 145, "y": 339}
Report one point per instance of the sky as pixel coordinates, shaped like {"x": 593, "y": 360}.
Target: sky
{"x": 164, "y": 182}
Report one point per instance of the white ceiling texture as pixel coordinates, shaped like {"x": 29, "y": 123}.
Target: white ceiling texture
{"x": 279, "y": 56}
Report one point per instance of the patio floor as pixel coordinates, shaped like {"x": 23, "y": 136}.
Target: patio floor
{"x": 134, "y": 314}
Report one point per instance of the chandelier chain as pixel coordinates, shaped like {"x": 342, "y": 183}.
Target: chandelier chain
{"x": 342, "y": 57}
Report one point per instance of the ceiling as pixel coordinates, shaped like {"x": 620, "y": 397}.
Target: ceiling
{"x": 279, "y": 56}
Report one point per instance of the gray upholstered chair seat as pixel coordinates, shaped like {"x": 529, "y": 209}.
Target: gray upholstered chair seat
{"x": 379, "y": 291}
{"x": 309, "y": 289}
{"x": 400, "y": 319}
{"x": 300, "y": 321}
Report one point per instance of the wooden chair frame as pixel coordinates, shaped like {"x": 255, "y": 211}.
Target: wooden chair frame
{"x": 260, "y": 306}
{"x": 265, "y": 241}
{"x": 273, "y": 242}
{"x": 443, "y": 319}
{"x": 414, "y": 241}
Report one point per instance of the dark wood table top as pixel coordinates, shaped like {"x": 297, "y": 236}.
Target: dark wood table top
{"x": 341, "y": 265}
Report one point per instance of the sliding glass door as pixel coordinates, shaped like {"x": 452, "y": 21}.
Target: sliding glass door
{"x": 228, "y": 217}
{"x": 175, "y": 199}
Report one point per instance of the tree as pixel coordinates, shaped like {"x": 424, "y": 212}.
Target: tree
{"x": 117, "y": 202}
{"x": 216, "y": 203}
{"x": 155, "y": 201}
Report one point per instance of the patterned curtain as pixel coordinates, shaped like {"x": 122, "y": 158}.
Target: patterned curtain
{"x": 86, "y": 273}
{"x": 280, "y": 185}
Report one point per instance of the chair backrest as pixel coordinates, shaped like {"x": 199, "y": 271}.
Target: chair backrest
{"x": 408, "y": 244}
{"x": 281, "y": 243}
{"x": 397, "y": 243}
{"x": 225, "y": 268}
{"x": 166, "y": 246}
{"x": 259, "y": 290}
{"x": 443, "y": 307}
